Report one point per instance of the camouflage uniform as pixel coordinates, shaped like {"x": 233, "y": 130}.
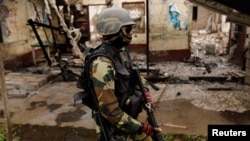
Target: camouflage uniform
{"x": 118, "y": 96}
{"x": 103, "y": 74}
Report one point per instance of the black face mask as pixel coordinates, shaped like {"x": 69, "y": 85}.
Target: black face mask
{"x": 119, "y": 40}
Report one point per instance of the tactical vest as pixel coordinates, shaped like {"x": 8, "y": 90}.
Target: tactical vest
{"x": 126, "y": 89}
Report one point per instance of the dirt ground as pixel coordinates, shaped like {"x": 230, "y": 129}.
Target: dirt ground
{"x": 183, "y": 118}
{"x": 183, "y": 106}
{"x": 176, "y": 112}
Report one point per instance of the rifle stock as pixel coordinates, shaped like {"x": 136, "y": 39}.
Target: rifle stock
{"x": 148, "y": 107}
{"x": 96, "y": 114}
{"x": 105, "y": 133}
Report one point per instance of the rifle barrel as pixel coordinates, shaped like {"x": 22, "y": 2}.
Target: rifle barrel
{"x": 148, "y": 107}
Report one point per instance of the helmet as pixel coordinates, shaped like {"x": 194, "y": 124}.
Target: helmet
{"x": 110, "y": 20}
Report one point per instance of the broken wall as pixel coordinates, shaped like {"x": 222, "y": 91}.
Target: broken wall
{"x": 209, "y": 33}
{"x": 203, "y": 17}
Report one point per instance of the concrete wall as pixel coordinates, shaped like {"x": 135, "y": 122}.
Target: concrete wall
{"x": 17, "y": 35}
{"x": 168, "y": 33}
{"x": 13, "y": 18}
{"x": 168, "y": 38}
{"x": 203, "y": 17}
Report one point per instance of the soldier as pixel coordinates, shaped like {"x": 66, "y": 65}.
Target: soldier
{"x": 118, "y": 97}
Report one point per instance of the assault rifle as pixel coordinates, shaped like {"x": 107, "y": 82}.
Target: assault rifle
{"x": 149, "y": 109}
{"x": 105, "y": 133}
{"x": 89, "y": 99}
{"x": 86, "y": 97}
{"x": 147, "y": 106}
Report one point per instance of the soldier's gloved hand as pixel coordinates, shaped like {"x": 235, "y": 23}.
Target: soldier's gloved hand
{"x": 149, "y": 97}
{"x": 148, "y": 129}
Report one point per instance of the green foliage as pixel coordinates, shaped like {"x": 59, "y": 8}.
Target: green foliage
{"x": 182, "y": 137}
{"x": 168, "y": 137}
{"x": 195, "y": 138}
{"x": 2, "y": 135}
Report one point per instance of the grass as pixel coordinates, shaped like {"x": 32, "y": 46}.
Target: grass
{"x": 182, "y": 137}
{"x": 2, "y": 135}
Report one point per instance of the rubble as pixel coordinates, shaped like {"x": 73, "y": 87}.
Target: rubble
{"x": 209, "y": 81}
{"x": 208, "y": 42}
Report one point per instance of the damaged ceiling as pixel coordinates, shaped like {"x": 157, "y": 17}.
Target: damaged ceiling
{"x": 236, "y": 11}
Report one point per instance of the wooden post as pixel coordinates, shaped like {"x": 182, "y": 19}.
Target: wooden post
{"x": 5, "y": 98}
{"x": 247, "y": 75}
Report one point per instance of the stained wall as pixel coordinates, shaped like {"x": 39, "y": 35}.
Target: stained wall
{"x": 17, "y": 36}
{"x": 166, "y": 37}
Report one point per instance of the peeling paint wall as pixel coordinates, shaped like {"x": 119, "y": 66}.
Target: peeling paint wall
{"x": 13, "y": 18}
{"x": 165, "y": 32}
{"x": 168, "y": 22}
{"x": 168, "y": 25}
{"x": 17, "y": 35}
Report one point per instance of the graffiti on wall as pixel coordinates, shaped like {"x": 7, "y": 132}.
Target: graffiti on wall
{"x": 174, "y": 15}
{"x": 137, "y": 13}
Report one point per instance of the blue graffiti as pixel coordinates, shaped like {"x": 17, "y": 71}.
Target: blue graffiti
{"x": 174, "y": 16}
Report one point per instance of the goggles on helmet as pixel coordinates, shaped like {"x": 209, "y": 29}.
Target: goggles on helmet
{"x": 127, "y": 30}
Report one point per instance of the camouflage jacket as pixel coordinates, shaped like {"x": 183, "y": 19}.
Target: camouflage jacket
{"x": 119, "y": 101}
